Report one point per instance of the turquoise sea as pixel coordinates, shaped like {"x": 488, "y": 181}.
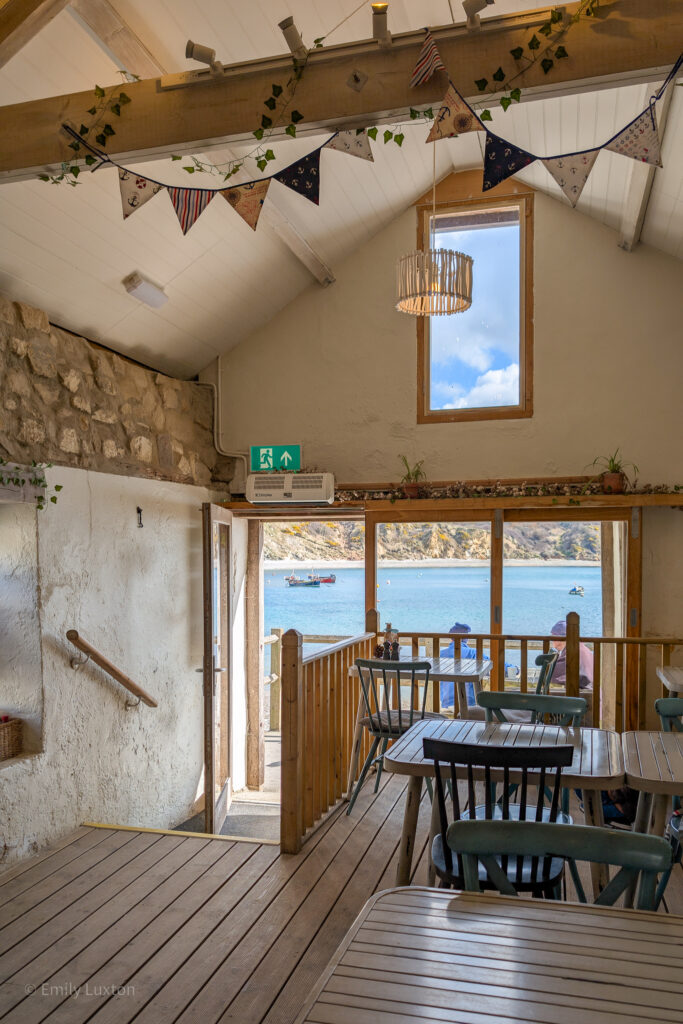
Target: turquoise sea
{"x": 534, "y": 597}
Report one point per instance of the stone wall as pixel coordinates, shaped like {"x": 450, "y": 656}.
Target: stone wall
{"x": 67, "y": 401}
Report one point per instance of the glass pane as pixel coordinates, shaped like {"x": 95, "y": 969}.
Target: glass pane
{"x": 475, "y": 355}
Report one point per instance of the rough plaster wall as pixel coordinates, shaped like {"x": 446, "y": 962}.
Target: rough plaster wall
{"x": 136, "y": 594}
{"x": 21, "y": 688}
{"x": 336, "y": 369}
{"x": 67, "y": 401}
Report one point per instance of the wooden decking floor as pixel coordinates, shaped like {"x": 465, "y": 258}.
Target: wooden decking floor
{"x": 114, "y": 926}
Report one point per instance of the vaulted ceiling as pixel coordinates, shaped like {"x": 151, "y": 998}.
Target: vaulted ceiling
{"x": 67, "y": 250}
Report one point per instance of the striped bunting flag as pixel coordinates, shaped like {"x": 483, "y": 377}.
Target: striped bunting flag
{"x": 189, "y": 203}
{"x": 428, "y": 62}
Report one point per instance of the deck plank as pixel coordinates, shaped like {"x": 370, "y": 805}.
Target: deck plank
{"x": 31, "y": 863}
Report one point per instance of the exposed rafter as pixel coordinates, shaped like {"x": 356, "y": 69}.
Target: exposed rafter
{"x": 623, "y": 46}
{"x": 128, "y": 52}
{"x": 21, "y": 20}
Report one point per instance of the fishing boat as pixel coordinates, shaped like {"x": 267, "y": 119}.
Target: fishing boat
{"x": 330, "y": 578}
{"x": 577, "y": 590}
{"x": 296, "y": 581}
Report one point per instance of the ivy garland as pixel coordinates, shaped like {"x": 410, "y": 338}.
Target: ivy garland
{"x": 36, "y": 478}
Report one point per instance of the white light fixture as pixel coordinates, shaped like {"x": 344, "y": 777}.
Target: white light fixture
{"x": 204, "y": 55}
{"x": 293, "y": 39}
{"x": 380, "y": 28}
{"x": 146, "y": 291}
{"x": 471, "y": 9}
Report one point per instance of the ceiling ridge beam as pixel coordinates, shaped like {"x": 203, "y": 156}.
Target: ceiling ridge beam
{"x": 21, "y": 20}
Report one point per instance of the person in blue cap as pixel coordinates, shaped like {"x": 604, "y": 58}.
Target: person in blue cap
{"x": 464, "y": 651}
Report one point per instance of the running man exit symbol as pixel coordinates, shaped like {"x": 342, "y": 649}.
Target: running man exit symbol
{"x": 274, "y": 457}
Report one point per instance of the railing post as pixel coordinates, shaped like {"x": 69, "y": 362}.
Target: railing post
{"x": 275, "y": 685}
{"x": 572, "y": 654}
{"x": 372, "y": 621}
{"x": 292, "y": 774}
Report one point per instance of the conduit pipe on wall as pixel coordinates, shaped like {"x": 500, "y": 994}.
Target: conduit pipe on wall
{"x": 218, "y": 421}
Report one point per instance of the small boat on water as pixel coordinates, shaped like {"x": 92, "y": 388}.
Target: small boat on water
{"x": 330, "y": 578}
{"x": 577, "y": 590}
{"x": 296, "y": 581}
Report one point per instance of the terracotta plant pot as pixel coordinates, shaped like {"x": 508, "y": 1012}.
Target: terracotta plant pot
{"x": 613, "y": 483}
{"x": 411, "y": 490}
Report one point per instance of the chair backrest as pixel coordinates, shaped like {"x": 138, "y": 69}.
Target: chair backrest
{"x": 633, "y": 852}
{"x": 670, "y": 711}
{"x": 566, "y": 711}
{"x": 547, "y": 663}
{"x": 379, "y": 682}
{"x": 473, "y": 757}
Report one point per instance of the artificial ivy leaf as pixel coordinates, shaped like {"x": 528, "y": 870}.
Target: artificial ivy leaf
{"x": 58, "y": 487}
{"x": 258, "y": 134}
{"x": 546, "y": 29}
{"x": 44, "y": 177}
{"x": 90, "y": 159}
{"x": 290, "y": 130}
{"x": 75, "y": 146}
{"x": 359, "y": 131}
{"x": 485, "y": 115}
{"x": 99, "y": 92}
{"x": 176, "y": 156}
{"x": 318, "y": 42}
{"x": 481, "y": 83}
{"x": 372, "y": 133}
{"x": 555, "y": 16}
{"x": 546, "y": 64}
{"x": 108, "y": 130}
{"x": 190, "y": 170}
{"x": 499, "y": 75}
{"x": 271, "y": 103}
{"x": 277, "y": 90}
{"x": 75, "y": 170}
{"x": 398, "y": 139}
{"x": 83, "y": 130}
{"x": 517, "y": 53}
{"x": 505, "y": 102}
{"x": 516, "y": 95}
{"x": 388, "y": 136}
{"x": 115, "y": 109}
{"x": 428, "y": 113}
{"x": 53, "y": 499}
{"x": 560, "y": 52}
{"x": 261, "y": 164}
{"x": 123, "y": 99}
{"x": 266, "y": 122}
{"x": 534, "y": 42}
{"x": 296, "y": 116}
{"x": 414, "y": 114}
{"x": 269, "y": 155}
{"x": 92, "y": 110}
{"x": 73, "y": 183}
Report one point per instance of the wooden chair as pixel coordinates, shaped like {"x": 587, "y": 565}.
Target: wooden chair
{"x": 547, "y": 763}
{"x": 484, "y": 846}
{"x": 547, "y": 663}
{"x": 565, "y": 711}
{"x": 670, "y": 711}
{"x": 386, "y": 717}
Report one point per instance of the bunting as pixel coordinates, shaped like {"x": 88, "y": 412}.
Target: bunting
{"x": 353, "y": 143}
{"x": 135, "y": 191}
{"x": 189, "y": 203}
{"x": 303, "y": 176}
{"x": 502, "y": 159}
{"x": 428, "y": 62}
{"x": 247, "y": 200}
{"x": 639, "y": 139}
{"x": 454, "y": 117}
{"x": 571, "y": 172}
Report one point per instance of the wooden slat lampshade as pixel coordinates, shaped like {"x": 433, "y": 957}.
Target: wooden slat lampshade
{"x": 434, "y": 282}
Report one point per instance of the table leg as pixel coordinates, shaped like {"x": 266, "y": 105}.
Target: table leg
{"x": 661, "y": 808}
{"x": 640, "y": 824}
{"x": 592, "y": 811}
{"x": 434, "y": 828}
{"x": 405, "y": 853}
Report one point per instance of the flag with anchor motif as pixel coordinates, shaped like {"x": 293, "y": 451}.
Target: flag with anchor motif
{"x": 571, "y": 171}
{"x": 354, "y": 143}
{"x": 501, "y": 160}
{"x": 135, "y": 190}
{"x": 639, "y": 139}
{"x": 454, "y": 117}
{"x": 303, "y": 176}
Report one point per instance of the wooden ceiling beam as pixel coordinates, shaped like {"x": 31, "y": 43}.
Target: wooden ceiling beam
{"x": 21, "y": 20}
{"x": 626, "y": 44}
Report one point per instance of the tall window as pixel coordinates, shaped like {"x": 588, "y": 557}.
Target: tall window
{"x": 477, "y": 364}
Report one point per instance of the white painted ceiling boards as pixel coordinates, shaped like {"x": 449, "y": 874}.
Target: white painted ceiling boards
{"x": 67, "y": 250}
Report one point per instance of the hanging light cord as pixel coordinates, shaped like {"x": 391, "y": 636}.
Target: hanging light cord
{"x": 340, "y": 23}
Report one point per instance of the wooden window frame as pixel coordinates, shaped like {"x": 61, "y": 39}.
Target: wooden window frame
{"x": 524, "y": 199}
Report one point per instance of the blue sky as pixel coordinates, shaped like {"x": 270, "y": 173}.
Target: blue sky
{"x": 475, "y": 355}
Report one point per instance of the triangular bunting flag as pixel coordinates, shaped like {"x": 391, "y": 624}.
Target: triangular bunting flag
{"x": 639, "y": 139}
{"x": 571, "y": 172}
{"x": 189, "y": 203}
{"x": 303, "y": 176}
{"x": 353, "y": 143}
{"x": 135, "y": 191}
{"x": 247, "y": 200}
{"x": 501, "y": 159}
{"x": 454, "y": 117}
{"x": 428, "y": 62}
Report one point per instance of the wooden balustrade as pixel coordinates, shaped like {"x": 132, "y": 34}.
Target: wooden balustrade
{"x": 319, "y": 705}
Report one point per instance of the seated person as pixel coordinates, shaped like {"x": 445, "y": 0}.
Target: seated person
{"x": 463, "y": 650}
{"x": 585, "y": 658}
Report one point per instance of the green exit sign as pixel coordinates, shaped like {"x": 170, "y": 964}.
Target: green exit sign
{"x": 267, "y": 458}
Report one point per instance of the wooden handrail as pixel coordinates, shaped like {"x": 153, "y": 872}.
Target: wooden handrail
{"x": 104, "y": 663}
{"x": 339, "y": 646}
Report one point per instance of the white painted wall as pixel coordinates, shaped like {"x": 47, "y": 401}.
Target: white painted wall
{"x": 136, "y": 594}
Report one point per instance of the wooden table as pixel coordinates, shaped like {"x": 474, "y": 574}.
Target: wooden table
{"x": 597, "y": 765}
{"x": 422, "y": 954}
{"x": 672, "y": 678}
{"x": 653, "y": 764}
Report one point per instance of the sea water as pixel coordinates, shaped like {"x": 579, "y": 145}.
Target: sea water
{"x": 432, "y": 599}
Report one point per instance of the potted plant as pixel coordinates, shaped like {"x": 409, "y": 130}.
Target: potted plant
{"x": 613, "y": 476}
{"x": 410, "y": 481}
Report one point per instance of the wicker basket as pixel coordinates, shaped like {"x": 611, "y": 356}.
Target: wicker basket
{"x": 10, "y": 738}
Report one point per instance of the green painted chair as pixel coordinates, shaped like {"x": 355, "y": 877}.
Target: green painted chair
{"x": 389, "y": 709}
{"x": 565, "y": 711}
{"x": 670, "y": 711}
{"x": 484, "y": 846}
{"x": 547, "y": 663}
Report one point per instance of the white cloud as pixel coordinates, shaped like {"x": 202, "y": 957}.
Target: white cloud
{"x": 495, "y": 387}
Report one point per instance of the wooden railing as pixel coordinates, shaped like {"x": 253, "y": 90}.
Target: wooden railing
{"x": 274, "y": 641}
{"x": 104, "y": 663}
{"x": 319, "y": 703}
